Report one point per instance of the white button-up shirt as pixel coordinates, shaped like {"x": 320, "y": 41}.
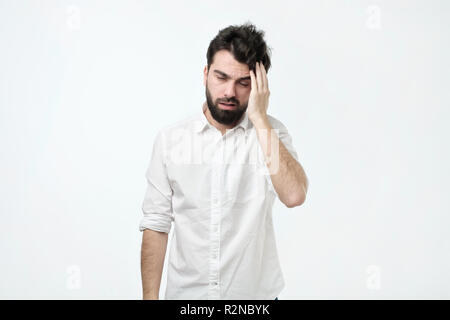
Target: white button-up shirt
{"x": 218, "y": 193}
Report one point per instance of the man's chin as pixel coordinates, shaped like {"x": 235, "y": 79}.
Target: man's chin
{"x": 230, "y": 113}
{"x": 223, "y": 116}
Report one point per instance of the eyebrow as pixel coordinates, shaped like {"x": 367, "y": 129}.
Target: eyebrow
{"x": 227, "y": 76}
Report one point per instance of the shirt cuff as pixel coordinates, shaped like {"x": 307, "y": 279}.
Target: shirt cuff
{"x": 157, "y": 222}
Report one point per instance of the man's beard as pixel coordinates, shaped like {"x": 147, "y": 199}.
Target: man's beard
{"x": 223, "y": 116}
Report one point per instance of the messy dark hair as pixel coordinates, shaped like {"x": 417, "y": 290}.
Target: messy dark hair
{"x": 244, "y": 42}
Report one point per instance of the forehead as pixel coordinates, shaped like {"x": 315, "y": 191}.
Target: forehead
{"x": 225, "y": 62}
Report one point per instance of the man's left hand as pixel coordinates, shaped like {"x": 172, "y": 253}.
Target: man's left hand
{"x": 258, "y": 101}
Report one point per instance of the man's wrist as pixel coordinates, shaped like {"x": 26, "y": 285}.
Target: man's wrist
{"x": 259, "y": 119}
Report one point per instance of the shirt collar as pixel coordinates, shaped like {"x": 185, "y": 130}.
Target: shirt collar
{"x": 202, "y": 122}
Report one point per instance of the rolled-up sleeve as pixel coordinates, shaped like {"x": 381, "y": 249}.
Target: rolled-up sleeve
{"x": 157, "y": 204}
{"x": 286, "y": 139}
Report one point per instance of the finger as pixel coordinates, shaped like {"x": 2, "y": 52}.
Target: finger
{"x": 264, "y": 78}
{"x": 259, "y": 77}
{"x": 253, "y": 81}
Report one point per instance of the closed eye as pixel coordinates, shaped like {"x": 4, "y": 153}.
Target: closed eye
{"x": 241, "y": 83}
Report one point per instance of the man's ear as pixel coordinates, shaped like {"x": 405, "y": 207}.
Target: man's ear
{"x": 205, "y": 75}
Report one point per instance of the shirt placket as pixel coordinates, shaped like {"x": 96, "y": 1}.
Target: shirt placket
{"x": 216, "y": 211}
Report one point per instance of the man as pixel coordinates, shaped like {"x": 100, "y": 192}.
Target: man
{"x": 216, "y": 176}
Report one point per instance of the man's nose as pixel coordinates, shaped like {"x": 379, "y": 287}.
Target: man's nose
{"x": 229, "y": 90}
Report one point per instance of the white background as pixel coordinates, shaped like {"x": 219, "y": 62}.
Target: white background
{"x": 362, "y": 86}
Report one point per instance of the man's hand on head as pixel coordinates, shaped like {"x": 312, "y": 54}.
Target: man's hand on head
{"x": 258, "y": 101}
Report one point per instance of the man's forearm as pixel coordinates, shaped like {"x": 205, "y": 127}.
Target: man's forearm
{"x": 153, "y": 252}
{"x": 287, "y": 175}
